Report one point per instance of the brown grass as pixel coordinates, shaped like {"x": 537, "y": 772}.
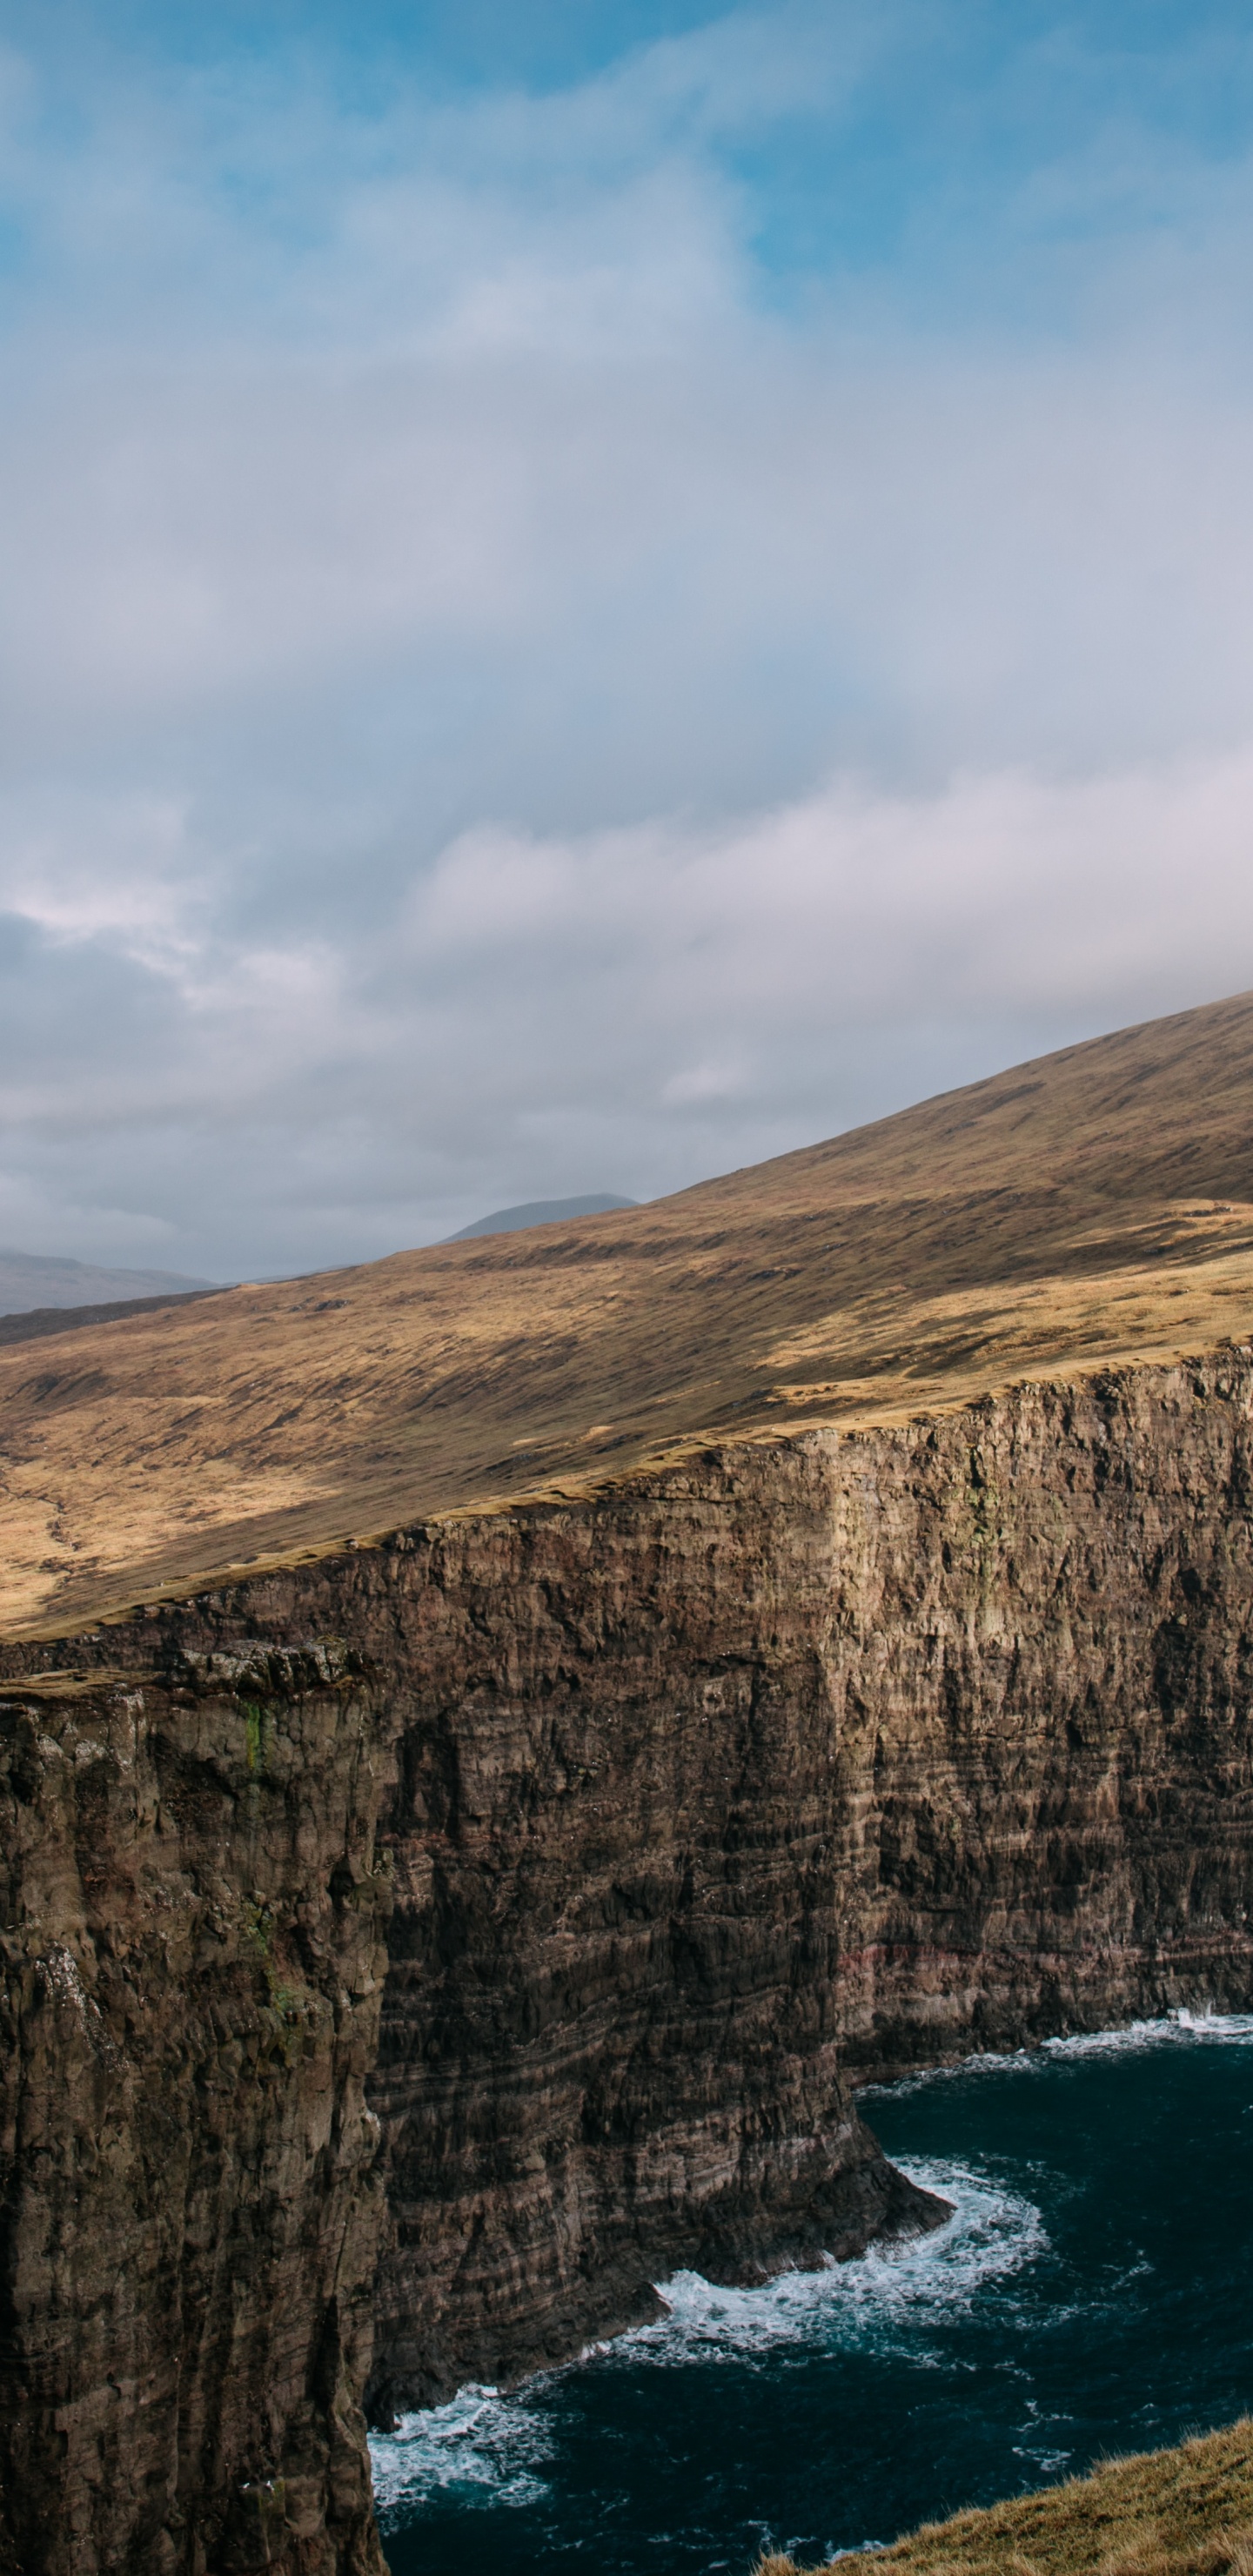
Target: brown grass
{"x": 1184, "y": 2512}
{"x": 1093, "y": 1207}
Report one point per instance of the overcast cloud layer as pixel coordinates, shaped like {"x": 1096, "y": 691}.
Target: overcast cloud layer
{"x": 570, "y": 630}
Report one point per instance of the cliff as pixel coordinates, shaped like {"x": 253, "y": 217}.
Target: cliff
{"x": 192, "y": 1961}
{"x": 735, "y": 1647}
{"x": 810, "y": 1757}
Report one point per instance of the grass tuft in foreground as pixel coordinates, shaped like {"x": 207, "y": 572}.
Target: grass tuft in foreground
{"x": 1183, "y": 2512}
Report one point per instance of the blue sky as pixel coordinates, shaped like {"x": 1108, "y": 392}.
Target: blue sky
{"x": 595, "y": 593}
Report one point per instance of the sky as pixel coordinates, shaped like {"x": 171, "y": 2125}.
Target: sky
{"x": 590, "y": 592}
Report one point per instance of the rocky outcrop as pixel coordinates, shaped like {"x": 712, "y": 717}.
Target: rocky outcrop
{"x": 808, "y": 1760}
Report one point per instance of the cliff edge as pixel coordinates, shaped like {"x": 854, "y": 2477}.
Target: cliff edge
{"x": 415, "y": 1948}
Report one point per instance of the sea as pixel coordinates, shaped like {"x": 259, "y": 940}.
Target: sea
{"x": 1091, "y": 2294}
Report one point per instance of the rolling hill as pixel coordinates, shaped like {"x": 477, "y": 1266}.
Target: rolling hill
{"x": 29, "y": 1280}
{"x": 515, "y": 1220}
{"x": 1087, "y": 1208}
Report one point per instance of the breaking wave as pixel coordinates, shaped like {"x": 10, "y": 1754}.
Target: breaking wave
{"x": 493, "y": 2447}
{"x": 480, "y": 2448}
{"x": 1090, "y": 2292}
{"x": 1182, "y": 2028}
{"x": 885, "y": 2298}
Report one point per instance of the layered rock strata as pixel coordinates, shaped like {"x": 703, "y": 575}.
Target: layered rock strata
{"x": 806, "y": 1761}
{"x": 192, "y": 1962}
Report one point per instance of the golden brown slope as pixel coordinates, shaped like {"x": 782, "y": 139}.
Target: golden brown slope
{"x": 1184, "y": 2512}
{"x": 1096, "y": 1204}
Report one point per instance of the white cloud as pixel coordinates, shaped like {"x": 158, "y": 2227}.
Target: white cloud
{"x": 643, "y": 1005}
{"x": 788, "y": 934}
{"x": 499, "y": 700}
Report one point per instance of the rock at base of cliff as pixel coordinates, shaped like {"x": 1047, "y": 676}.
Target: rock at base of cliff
{"x": 867, "y": 2203}
{"x": 791, "y": 2205}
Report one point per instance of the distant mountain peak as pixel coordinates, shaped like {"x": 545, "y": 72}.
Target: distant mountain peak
{"x": 39, "y": 1279}
{"x": 513, "y": 1220}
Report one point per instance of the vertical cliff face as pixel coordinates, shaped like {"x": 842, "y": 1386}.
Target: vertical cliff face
{"x": 610, "y": 2035}
{"x": 814, "y": 1762}
{"x": 809, "y": 1760}
{"x": 193, "y": 1951}
{"x": 1041, "y": 1648}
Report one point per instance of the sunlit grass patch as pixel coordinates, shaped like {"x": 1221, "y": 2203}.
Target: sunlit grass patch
{"x": 1183, "y": 2512}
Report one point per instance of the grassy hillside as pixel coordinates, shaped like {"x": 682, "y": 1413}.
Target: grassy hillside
{"x": 1187, "y": 2512}
{"x": 1093, "y": 1206}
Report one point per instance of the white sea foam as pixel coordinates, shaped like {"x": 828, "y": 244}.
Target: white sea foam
{"x": 495, "y": 2449}
{"x": 1181, "y": 2028}
{"x": 888, "y": 2298}
{"x": 487, "y": 2448}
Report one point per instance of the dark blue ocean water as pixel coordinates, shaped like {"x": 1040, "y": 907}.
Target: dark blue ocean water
{"x": 1093, "y": 2292}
